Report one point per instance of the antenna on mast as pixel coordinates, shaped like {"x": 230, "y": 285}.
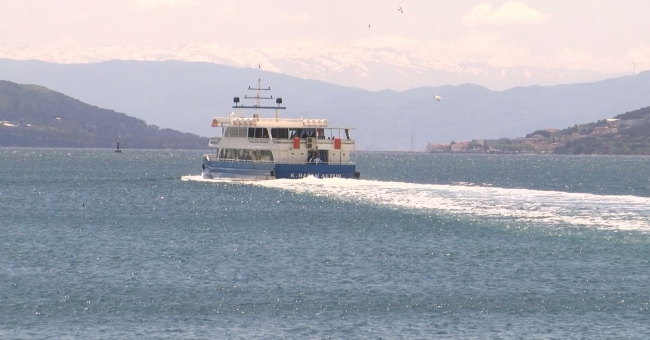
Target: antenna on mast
{"x": 259, "y": 93}
{"x": 258, "y": 97}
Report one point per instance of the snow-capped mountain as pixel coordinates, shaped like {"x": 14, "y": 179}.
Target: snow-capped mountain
{"x": 368, "y": 68}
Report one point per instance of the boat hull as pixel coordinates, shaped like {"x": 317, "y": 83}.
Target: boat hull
{"x": 295, "y": 171}
{"x": 246, "y": 171}
{"x": 251, "y": 171}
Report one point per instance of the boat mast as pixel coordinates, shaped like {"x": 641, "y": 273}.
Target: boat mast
{"x": 259, "y": 90}
{"x": 258, "y": 99}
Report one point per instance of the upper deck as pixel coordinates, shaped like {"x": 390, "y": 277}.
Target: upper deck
{"x": 256, "y": 121}
{"x": 236, "y": 119}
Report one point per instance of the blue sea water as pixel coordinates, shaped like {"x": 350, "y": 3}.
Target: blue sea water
{"x": 98, "y": 245}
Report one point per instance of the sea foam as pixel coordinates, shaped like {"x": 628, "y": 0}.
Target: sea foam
{"x": 612, "y": 212}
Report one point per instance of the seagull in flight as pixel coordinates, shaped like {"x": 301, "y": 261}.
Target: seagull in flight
{"x": 400, "y": 9}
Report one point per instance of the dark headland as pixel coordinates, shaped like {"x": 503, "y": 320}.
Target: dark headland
{"x": 35, "y": 116}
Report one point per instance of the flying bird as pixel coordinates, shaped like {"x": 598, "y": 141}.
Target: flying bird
{"x": 438, "y": 98}
{"x": 368, "y": 26}
{"x": 400, "y": 9}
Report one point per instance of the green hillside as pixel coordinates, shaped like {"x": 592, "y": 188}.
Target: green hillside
{"x": 625, "y": 134}
{"x": 35, "y": 116}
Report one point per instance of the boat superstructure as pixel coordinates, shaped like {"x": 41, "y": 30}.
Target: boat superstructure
{"x": 261, "y": 148}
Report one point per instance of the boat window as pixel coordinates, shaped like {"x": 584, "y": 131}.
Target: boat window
{"x": 304, "y": 133}
{"x": 246, "y": 155}
{"x": 280, "y": 133}
{"x": 236, "y": 132}
{"x": 258, "y": 133}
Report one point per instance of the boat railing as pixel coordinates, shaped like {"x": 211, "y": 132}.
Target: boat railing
{"x": 258, "y": 140}
{"x": 273, "y": 122}
{"x": 254, "y": 121}
{"x": 214, "y": 141}
{"x": 290, "y": 120}
{"x": 216, "y": 158}
{"x": 322, "y": 141}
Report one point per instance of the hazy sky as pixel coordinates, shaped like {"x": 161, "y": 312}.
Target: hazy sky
{"x": 602, "y": 35}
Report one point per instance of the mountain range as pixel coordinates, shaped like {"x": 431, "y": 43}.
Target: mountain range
{"x": 371, "y": 68}
{"x": 186, "y": 95}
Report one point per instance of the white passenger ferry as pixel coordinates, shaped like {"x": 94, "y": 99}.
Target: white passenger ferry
{"x": 261, "y": 148}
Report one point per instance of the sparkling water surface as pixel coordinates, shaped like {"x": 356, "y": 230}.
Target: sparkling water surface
{"x": 98, "y": 245}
